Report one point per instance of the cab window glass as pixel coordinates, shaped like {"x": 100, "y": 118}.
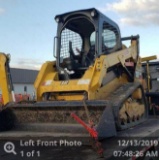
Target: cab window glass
{"x": 92, "y": 38}
{"x": 109, "y": 37}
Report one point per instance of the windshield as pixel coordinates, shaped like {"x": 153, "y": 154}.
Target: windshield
{"x": 75, "y": 43}
{"x": 75, "y": 37}
{"x": 69, "y": 37}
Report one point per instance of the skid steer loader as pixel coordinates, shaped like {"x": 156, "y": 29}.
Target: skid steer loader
{"x": 6, "y": 92}
{"x": 95, "y": 82}
{"x": 6, "y": 85}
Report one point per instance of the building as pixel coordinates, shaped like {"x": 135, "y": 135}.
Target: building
{"x": 23, "y": 80}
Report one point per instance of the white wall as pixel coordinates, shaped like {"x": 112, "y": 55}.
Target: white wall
{"x": 19, "y": 88}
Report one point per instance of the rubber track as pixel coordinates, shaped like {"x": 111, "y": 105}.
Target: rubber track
{"x": 119, "y": 97}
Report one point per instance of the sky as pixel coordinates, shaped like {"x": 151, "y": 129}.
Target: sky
{"x": 27, "y": 27}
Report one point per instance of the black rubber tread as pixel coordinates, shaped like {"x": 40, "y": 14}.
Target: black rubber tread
{"x": 117, "y": 99}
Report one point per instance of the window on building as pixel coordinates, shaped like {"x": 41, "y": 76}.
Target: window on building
{"x": 25, "y": 88}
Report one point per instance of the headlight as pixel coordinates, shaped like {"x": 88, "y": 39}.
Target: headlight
{"x": 93, "y": 13}
{"x": 57, "y": 19}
